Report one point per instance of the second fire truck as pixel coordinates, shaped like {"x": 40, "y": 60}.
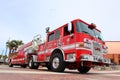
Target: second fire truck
{"x": 75, "y": 45}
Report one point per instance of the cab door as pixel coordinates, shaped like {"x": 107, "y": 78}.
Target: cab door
{"x": 50, "y": 45}
{"x": 68, "y": 40}
{"x": 58, "y": 38}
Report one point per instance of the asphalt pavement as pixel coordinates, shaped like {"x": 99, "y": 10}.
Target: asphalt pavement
{"x": 18, "y": 73}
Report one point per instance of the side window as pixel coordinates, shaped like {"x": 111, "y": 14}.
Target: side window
{"x": 66, "y": 32}
{"x": 57, "y": 34}
{"x": 51, "y": 37}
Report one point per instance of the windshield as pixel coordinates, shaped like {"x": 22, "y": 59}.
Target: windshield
{"x": 98, "y": 34}
{"x": 81, "y": 27}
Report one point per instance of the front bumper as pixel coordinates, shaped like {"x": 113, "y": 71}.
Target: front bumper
{"x": 97, "y": 59}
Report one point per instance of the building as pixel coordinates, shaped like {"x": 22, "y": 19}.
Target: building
{"x": 113, "y": 51}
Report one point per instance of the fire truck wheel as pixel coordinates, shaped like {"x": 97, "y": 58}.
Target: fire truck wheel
{"x": 57, "y": 63}
{"x": 10, "y": 64}
{"x": 83, "y": 70}
{"x": 32, "y": 65}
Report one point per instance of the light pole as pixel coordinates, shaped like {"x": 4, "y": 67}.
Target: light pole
{"x": 1, "y": 58}
{"x": 6, "y": 50}
{"x": 5, "y": 56}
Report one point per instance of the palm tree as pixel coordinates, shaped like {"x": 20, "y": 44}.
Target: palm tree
{"x": 10, "y": 45}
{"x": 19, "y": 42}
{"x": 13, "y": 45}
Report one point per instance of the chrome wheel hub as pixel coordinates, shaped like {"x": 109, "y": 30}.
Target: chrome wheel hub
{"x": 56, "y": 62}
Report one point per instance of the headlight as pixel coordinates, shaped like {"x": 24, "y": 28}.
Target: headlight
{"x": 84, "y": 45}
{"x": 71, "y": 57}
{"x": 86, "y": 57}
{"x": 87, "y": 45}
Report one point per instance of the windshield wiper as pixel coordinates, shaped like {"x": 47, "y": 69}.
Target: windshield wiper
{"x": 99, "y": 38}
{"x": 85, "y": 32}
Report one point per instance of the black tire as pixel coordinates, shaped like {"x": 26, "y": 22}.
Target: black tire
{"x": 83, "y": 70}
{"x": 10, "y": 64}
{"x": 48, "y": 66}
{"x": 32, "y": 65}
{"x": 24, "y": 66}
{"x": 57, "y": 66}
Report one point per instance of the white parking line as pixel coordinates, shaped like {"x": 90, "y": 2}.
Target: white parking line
{"x": 27, "y": 72}
{"x": 107, "y": 73}
{"x": 116, "y": 75}
{"x": 92, "y": 79}
{"x": 116, "y": 71}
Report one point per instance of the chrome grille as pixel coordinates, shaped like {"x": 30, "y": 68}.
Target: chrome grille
{"x": 97, "y": 49}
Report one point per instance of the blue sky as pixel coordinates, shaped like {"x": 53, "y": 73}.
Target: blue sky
{"x": 23, "y": 19}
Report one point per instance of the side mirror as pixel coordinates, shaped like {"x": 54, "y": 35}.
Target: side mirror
{"x": 69, "y": 26}
{"x": 47, "y": 29}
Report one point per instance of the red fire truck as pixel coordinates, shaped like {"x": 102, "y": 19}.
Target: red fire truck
{"x": 75, "y": 45}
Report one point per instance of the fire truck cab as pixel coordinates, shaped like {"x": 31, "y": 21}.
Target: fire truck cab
{"x": 75, "y": 45}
